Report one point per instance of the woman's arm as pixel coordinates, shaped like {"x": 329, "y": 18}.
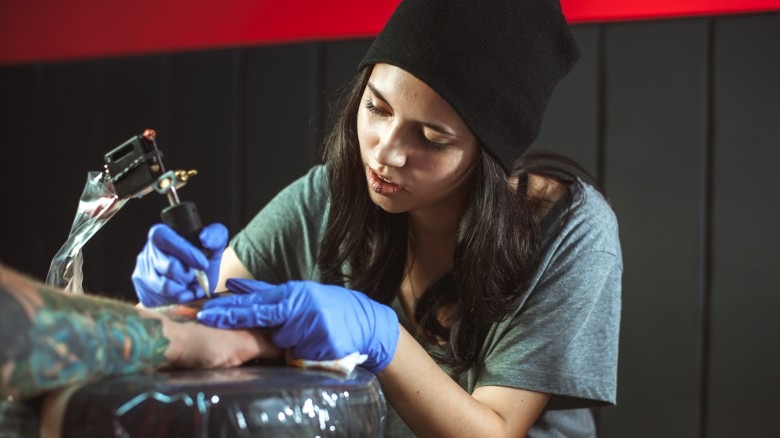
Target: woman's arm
{"x": 322, "y": 322}
{"x": 51, "y": 339}
{"x": 231, "y": 267}
{"x": 432, "y": 404}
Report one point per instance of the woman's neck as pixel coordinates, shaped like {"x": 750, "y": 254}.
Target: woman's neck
{"x": 432, "y": 240}
{"x": 438, "y": 229}
{"x": 438, "y": 223}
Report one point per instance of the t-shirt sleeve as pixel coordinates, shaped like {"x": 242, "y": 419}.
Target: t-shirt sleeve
{"x": 563, "y": 340}
{"x": 282, "y": 241}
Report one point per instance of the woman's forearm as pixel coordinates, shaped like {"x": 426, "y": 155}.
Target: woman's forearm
{"x": 432, "y": 404}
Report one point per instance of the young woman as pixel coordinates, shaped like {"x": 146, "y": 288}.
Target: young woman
{"x": 483, "y": 286}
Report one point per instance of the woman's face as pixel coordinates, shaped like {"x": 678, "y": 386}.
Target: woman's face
{"x": 416, "y": 150}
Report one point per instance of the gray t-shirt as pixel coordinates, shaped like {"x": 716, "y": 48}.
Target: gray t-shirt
{"x": 562, "y": 338}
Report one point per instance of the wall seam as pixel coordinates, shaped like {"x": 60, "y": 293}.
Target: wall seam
{"x": 321, "y": 110}
{"x": 40, "y": 258}
{"x": 601, "y": 104}
{"x": 238, "y": 177}
{"x": 705, "y": 238}
{"x": 168, "y": 109}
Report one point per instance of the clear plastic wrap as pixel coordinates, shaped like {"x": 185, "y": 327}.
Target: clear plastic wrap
{"x": 97, "y": 205}
{"x": 248, "y": 401}
{"x": 19, "y": 419}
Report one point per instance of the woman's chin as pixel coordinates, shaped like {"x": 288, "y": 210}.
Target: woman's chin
{"x": 388, "y": 204}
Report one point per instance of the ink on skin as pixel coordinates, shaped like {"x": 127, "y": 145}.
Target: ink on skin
{"x": 63, "y": 340}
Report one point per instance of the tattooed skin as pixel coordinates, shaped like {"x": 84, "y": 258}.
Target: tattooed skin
{"x": 52, "y": 338}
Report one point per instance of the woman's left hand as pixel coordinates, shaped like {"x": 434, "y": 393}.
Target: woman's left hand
{"x": 313, "y": 320}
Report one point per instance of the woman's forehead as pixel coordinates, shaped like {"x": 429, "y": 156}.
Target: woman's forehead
{"x": 406, "y": 93}
{"x": 388, "y": 78}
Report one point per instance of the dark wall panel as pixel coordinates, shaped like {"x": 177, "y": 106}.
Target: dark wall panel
{"x": 571, "y": 124}
{"x": 745, "y": 358}
{"x": 207, "y": 132}
{"x": 21, "y": 187}
{"x": 282, "y": 103}
{"x": 655, "y": 107}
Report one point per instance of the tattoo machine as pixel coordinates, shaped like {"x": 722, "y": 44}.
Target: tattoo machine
{"x": 135, "y": 168}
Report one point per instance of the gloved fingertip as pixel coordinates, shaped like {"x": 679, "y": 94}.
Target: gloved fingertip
{"x": 214, "y": 237}
{"x": 207, "y": 317}
{"x": 220, "y": 318}
{"x": 185, "y": 297}
{"x": 158, "y": 230}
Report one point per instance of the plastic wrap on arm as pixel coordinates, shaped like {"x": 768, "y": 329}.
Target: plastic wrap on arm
{"x": 248, "y": 401}
{"x": 18, "y": 419}
{"x": 97, "y": 205}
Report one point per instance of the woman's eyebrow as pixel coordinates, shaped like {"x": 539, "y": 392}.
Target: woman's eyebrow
{"x": 438, "y": 128}
{"x": 376, "y": 92}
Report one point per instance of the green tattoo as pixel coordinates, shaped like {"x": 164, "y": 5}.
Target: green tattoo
{"x": 65, "y": 338}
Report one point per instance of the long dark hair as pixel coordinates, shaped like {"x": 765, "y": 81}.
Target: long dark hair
{"x": 497, "y": 246}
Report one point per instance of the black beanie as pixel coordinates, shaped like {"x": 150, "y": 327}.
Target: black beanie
{"x": 495, "y": 61}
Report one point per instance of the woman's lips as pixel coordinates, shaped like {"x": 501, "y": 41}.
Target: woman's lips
{"x": 380, "y": 185}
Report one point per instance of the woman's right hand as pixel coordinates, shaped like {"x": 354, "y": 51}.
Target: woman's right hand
{"x": 165, "y": 269}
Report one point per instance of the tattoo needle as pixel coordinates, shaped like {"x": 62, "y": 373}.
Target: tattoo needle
{"x": 203, "y": 281}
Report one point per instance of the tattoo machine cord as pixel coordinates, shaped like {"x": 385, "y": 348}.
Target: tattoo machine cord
{"x": 131, "y": 170}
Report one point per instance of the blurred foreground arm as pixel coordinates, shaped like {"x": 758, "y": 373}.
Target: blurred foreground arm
{"x": 51, "y": 339}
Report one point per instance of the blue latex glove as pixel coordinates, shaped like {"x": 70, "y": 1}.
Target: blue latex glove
{"x": 313, "y": 320}
{"x": 164, "y": 270}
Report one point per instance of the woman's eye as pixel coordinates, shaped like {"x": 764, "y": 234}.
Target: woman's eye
{"x": 433, "y": 144}
{"x": 373, "y": 109}
{"x": 437, "y": 146}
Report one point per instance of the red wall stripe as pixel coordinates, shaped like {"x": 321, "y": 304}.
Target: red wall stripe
{"x": 578, "y": 11}
{"x": 55, "y": 30}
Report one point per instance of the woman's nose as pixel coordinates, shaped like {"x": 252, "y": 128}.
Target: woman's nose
{"x": 390, "y": 150}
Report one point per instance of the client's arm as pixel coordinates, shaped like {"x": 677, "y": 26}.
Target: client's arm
{"x": 49, "y": 338}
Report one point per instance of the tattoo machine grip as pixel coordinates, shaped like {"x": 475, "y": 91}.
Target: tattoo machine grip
{"x": 185, "y": 220}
